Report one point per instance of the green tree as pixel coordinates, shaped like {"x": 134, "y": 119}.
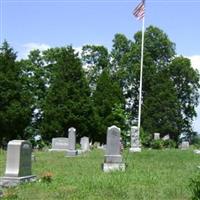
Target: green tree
{"x": 186, "y": 83}
{"x": 107, "y": 95}
{"x": 15, "y": 99}
{"x": 168, "y": 82}
{"x": 67, "y": 102}
{"x": 36, "y": 79}
{"x": 95, "y": 59}
{"x": 161, "y": 108}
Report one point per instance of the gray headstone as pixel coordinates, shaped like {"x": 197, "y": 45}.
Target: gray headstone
{"x": 59, "y": 144}
{"x": 113, "y": 158}
{"x": 196, "y": 151}
{"x": 184, "y": 145}
{"x": 166, "y": 137}
{"x": 85, "y": 145}
{"x": 135, "y": 140}
{"x": 156, "y": 136}
{"x": 71, "y": 151}
{"x": 18, "y": 163}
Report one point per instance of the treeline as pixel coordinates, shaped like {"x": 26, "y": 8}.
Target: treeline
{"x": 57, "y": 88}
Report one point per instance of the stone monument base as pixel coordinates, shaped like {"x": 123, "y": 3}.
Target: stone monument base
{"x": 71, "y": 153}
{"x": 64, "y": 150}
{"x": 81, "y": 151}
{"x": 108, "y": 167}
{"x": 8, "y": 181}
{"x": 135, "y": 149}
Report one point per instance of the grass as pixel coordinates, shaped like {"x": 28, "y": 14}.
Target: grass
{"x": 151, "y": 174}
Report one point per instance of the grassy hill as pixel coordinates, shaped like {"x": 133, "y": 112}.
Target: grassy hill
{"x": 151, "y": 174}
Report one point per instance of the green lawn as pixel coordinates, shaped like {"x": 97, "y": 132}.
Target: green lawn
{"x": 151, "y": 174}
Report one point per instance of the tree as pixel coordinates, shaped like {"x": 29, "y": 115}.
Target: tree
{"x": 161, "y": 108}
{"x": 36, "y": 80}
{"x": 168, "y": 82}
{"x": 186, "y": 83}
{"x": 107, "y": 95}
{"x": 95, "y": 59}
{"x": 67, "y": 101}
{"x": 15, "y": 100}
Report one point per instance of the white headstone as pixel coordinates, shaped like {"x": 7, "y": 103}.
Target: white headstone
{"x": 18, "y": 163}
{"x": 71, "y": 151}
{"x": 166, "y": 137}
{"x": 59, "y": 144}
{"x": 113, "y": 158}
{"x": 135, "y": 140}
{"x": 156, "y": 136}
{"x": 196, "y": 151}
{"x": 184, "y": 145}
{"x": 85, "y": 145}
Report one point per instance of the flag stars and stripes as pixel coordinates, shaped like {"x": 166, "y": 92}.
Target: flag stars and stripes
{"x": 139, "y": 11}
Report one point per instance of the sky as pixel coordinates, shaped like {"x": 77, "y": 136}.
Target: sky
{"x": 30, "y": 24}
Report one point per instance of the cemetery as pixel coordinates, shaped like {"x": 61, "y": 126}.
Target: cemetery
{"x": 87, "y": 117}
{"x": 109, "y": 172}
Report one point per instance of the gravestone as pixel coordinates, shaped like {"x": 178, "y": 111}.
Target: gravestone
{"x": 196, "y": 151}
{"x": 18, "y": 163}
{"x": 184, "y": 145}
{"x": 85, "y": 145}
{"x": 33, "y": 158}
{"x": 59, "y": 144}
{"x": 113, "y": 158}
{"x": 166, "y": 137}
{"x": 71, "y": 151}
{"x": 156, "y": 136}
{"x": 135, "y": 140}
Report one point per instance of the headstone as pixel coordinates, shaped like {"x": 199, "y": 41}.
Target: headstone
{"x": 97, "y": 145}
{"x": 18, "y": 164}
{"x": 135, "y": 140}
{"x": 59, "y": 144}
{"x": 85, "y": 145}
{"x": 33, "y": 158}
{"x": 184, "y": 145}
{"x": 113, "y": 158}
{"x": 196, "y": 151}
{"x": 71, "y": 151}
{"x": 103, "y": 147}
{"x": 166, "y": 137}
{"x": 156, "y": 136}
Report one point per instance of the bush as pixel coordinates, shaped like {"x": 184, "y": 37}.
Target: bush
{"x": 10, "y": 193}
{"x": 46, "y": 177}
{"x": 196, "y": 141}
{"x": 146, "y": 139}
{"x": 195, "y": 187}
{"x": 169, "y": 143}
{"x": 157, "y": 144}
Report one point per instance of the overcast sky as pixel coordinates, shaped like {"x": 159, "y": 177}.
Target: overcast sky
{"x": 29, "y": 24}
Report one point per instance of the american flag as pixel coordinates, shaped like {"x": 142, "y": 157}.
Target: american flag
{"x": 139, "y": 10}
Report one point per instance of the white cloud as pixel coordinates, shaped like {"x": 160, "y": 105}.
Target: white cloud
{"x": 78, "y": 50}
{"x": 195, "y": 61}
{"x": 26, "y": 48}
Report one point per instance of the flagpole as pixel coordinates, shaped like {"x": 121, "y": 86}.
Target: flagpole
{"x": 141, "y": 72}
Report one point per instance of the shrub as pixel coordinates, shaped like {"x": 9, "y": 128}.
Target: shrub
{"x": 10, "y": 193}
{"x": 157, "y": 144}
{"x": 169, "y": 143}
{"x": 146, "y": 139}
{"x": 46, "y": 177}
{"x": 195, "y": 187}
{"x": 196, "y": 141}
